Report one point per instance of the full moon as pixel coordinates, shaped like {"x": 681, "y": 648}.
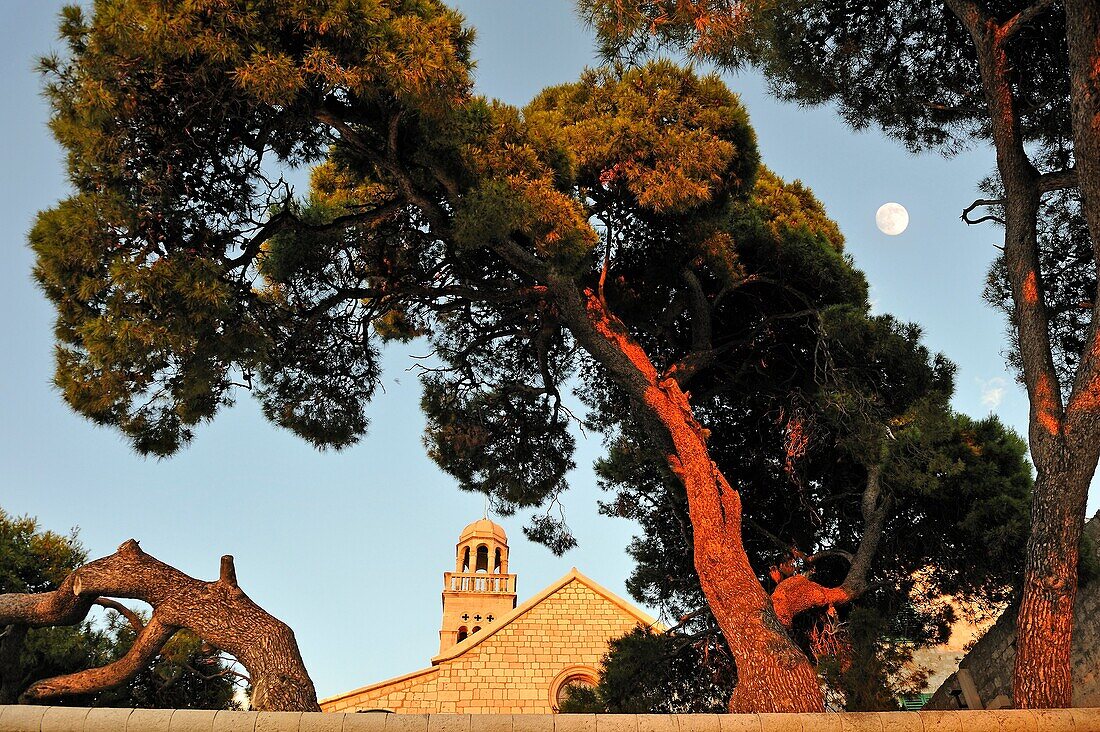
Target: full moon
{"x": 891, "y": 218}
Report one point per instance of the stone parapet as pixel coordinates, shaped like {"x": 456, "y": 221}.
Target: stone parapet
{"x": 76, "y": 719}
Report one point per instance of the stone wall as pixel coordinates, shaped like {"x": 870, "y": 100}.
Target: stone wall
{"x": 73, "y": 719}
{"x": 990, "y": 661}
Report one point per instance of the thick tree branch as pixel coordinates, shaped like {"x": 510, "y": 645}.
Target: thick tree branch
{"x": 61, "y": 607}
{"x": 876, "y": 510}
{"x": 1021, "y": 207}
{"x": 701, "y": 338}
{"x": 1057, "y": 180}
{"x": 1082, "y": 34}
{"x": 285, "y": 221}
{"x": 1020, "y": 20}
{"x": 146, "y": 646}
{"x": 798, "y": 593}
{"x": 218, "y": 612}
{"x": 973, "y": 19}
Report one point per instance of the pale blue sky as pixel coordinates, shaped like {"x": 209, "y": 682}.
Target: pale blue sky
{"x": 349, "y": 548}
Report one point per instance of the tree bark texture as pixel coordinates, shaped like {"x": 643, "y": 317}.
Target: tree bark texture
{"x": 1064, "y": 441}
{"x": 797, "y": 593}
{"x": 219, "y": 612}
{"x": 773, "y": 674}
{"x": 1042, "y": 677}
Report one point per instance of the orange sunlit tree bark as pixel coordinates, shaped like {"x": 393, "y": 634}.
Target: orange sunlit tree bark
{"x": 865, "y": 493}
{"x": 1022, "y": 75}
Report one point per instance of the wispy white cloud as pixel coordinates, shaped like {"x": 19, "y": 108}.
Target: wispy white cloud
{"x": 993, "y": 391}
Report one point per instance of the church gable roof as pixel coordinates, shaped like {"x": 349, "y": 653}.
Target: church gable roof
{"x": 477, "y": 639}
{"x": 403, "y": 682}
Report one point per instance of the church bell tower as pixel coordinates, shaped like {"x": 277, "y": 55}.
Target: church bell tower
{"x": 480, "y": 591}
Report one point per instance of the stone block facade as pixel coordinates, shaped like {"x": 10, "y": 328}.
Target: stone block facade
{"x": 516, "y": 667}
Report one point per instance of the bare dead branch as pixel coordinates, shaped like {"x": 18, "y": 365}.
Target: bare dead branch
{"x": 224, "y": 672}
{"x": 146, "y": 646}
{"x": 131, "y": 617}
{"x": 982, "y": 202}
{"x": 685, "y": 619}
{"x": 228, "y": 575}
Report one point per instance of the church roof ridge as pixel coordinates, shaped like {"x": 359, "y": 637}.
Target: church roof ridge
{"x": 387, "y": 682}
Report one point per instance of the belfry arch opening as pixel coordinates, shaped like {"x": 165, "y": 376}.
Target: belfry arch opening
{"x": 482, "y": 559}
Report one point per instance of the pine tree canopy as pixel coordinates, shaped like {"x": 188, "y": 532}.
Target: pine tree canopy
{"x": 907, "y": 67}
{"x": 182, "y": 266}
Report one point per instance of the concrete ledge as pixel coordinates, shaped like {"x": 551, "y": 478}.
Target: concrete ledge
{"x": 75, "y": 719}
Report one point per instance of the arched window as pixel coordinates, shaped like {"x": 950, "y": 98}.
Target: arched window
{"x": 466, "y": 559}
{"x": 476, "y": 629}
{"x": 496, "y": 562}
{"x": 482, "y": 559}
{"x": 572, "y": 677}
{"x": 462, "y": 633}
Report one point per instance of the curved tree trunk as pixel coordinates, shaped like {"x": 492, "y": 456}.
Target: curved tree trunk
{"x": 773, "y": 674}
{"x": 218, "y": 612}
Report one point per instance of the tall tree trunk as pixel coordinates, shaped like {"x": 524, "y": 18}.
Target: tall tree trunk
{"x": 1044, "y": 627}
{"x": 219, "y": 612}
{"x": 1065, "y": 451}
{"x": 773, "y": 674}
{"x": 1062, "y": 441}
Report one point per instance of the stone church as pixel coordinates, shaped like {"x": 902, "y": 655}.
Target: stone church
{"x": 495, "y": 656}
